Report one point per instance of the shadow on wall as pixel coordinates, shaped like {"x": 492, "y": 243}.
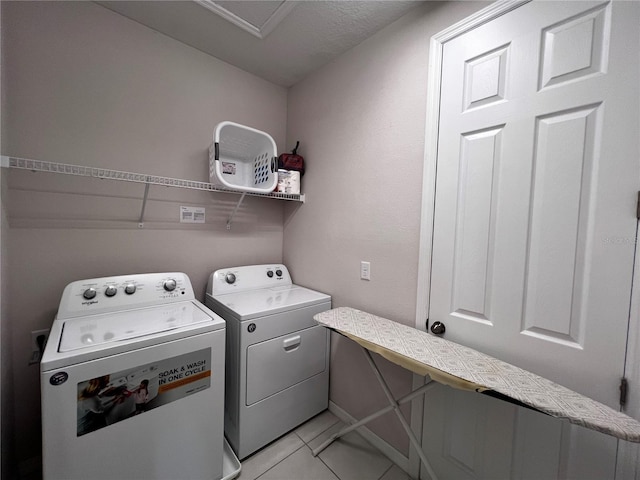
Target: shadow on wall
{"x": 290, "y": 211}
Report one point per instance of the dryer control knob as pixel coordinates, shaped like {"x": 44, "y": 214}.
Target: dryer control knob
{"x": 89, "y": 293}
{"x": 110, "y": 291}
{"x": 130, "y": 289}
{"x": 279, "y": 273}
{"x": 170, "y": 285}
{"x": 269, "y": 273}
{"x": 230, "y": 278}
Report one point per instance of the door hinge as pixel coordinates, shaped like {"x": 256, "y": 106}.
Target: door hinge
{"x": 624, "y": 391}
{"x": 638, "y": 207}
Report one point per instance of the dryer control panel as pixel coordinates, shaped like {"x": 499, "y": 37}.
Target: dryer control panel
{"x": 251, "y": 277}
{"x": 123, "y": 292}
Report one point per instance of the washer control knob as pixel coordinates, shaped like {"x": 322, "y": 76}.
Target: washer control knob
{"x": 130, "y": 289}
{"x": 89, "y": 293}
{"x": 110, "y": 291}
{"x": 170, "y": 285}
{"x": 230, "y": 278}
{"x": 279, "y": 273}
{"x": 269, "y": 273}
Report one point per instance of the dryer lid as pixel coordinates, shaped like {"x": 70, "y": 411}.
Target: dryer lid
{"x": 104, "y": 329}
{"x": 268, "y": 301}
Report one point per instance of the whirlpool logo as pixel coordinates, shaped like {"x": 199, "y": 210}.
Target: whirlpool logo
{"x": 58, "y": 378}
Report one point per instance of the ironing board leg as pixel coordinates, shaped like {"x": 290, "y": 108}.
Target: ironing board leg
{"x": 403, "y": 421}
{"x": 393, "y": 405}
{"x": 349, "y": 428}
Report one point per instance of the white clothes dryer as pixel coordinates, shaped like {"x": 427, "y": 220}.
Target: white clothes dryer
{"x": 132, "y": 382}
{"x": 277, "y": 361}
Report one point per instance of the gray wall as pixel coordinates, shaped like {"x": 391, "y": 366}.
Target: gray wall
{"x": 6, "y": 371}
{"x": 361, "y": 123}
{"x": 83, "y": 85}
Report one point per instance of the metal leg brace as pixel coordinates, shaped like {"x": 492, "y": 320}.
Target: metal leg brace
{"x": 393, "y": 405}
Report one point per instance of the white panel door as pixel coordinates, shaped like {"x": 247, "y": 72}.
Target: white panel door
{"x": 534, "y": 228}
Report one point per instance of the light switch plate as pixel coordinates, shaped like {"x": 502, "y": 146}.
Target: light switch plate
{"x": 365, "y": 270}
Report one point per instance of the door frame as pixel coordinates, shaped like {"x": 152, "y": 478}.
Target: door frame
{"x": 628, "y": 454}
{"x": 628, "y": 466}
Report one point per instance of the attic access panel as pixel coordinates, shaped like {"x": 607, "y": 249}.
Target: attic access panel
{"x": 259, "y": 18}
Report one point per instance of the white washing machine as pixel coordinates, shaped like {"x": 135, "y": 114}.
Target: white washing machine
{"x": 277, "y": 361}
{"x": 132, "y": 382}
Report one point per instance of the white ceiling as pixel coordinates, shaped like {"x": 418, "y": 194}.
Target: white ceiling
{"x": 297, "y": 36}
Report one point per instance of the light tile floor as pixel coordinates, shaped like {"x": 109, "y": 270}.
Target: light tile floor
{"x": 289, "y": 458}
{"x": 348, "y": 458}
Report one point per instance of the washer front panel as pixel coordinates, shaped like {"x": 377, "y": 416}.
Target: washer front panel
{"x": 147, "y": 446}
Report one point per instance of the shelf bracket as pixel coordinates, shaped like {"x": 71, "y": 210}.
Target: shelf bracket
{"x": 235, "y": 210}
{"x": 144, "y": 205}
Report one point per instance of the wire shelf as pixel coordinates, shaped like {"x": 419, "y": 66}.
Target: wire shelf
{"x": 104, "y": 173}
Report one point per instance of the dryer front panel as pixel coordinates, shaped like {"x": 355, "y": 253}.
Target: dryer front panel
{"x": 276, "y": 380}
{"x": 281, "y": 362}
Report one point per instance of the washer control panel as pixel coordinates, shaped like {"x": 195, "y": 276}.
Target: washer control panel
{"x": 122, "y": 292}
{"x": 252, "y": 277}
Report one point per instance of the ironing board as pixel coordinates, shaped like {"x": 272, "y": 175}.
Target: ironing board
{"x": 461, "y": 367}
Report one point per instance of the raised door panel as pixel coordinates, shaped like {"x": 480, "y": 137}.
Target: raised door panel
{"x": 575, "y": 47}
{"x": 475, "y": 215}
{"x": 561, "y": 219}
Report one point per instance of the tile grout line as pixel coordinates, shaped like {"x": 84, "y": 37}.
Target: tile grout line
{"x": 337, "y": 439}
{"x": 307, "y": 444}
{"x": 320, "y": 433}
{"x": 304, "y": 444}
{"x": 275, "y": 465}
{"x": 386, "y": 471}
{"x": 335, "y": 474}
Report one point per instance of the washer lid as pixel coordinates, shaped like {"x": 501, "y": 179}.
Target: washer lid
{"x": 268, "y": 301}
{"x": 104, "y": 329}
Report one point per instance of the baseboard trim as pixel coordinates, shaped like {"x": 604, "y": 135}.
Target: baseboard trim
{"x": 389, "y": 451}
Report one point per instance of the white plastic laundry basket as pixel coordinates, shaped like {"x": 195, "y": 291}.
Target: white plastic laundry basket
{"x": 242, "y": 158}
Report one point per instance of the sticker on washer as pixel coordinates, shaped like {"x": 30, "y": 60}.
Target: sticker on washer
{"x": 105, "y": 400}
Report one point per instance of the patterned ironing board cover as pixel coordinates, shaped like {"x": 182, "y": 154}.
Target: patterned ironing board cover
{"x": 461, "y": 367}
